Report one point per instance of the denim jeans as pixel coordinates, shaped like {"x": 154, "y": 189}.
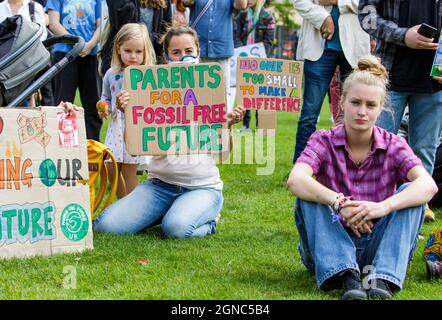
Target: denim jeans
{"x": 425, "y": 122}
{"x": 182, "y": 212}
{"x": 317, "y": 78}
{"x": 328, "y": 248}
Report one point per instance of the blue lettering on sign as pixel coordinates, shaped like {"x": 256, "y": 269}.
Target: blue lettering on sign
{"x": 27, "y": 222}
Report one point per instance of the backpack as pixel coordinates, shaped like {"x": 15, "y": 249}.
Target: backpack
{"x": 433, "y": 248}
{"x": 97, "y": 154}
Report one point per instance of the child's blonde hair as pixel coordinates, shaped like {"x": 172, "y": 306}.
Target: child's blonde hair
{"x": 128, "y": 32}
{"x": 371, "y": 72}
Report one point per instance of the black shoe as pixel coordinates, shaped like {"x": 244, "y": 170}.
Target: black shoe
{"x": 352, "y": 285}
{"x": 381, "y": 291}
{"x": 434, "y": 269}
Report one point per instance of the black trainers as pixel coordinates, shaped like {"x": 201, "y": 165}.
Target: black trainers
{"x": 352, "y": 285}
{"x": 434, "y": 269}
{"x": 381, "y": 291}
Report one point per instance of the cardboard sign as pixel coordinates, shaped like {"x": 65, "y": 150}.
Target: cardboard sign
{"x": 269, "y": 84}
{"x": 43, "y": 208}
{"x": 175, "y": 109}
{"x": 437, "y": 63}
{"x": 256, "y": 50}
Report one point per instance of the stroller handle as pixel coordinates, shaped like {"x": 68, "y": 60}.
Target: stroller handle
{"x": 78, "y": 45}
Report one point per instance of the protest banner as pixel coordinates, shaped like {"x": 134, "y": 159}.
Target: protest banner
{"x": 256, "y": 50}
{"x": 44, "y": 210}
{"x": 175, "y": 109}
{"x": 437, "y": 63}
{"x": 269, "y": 84}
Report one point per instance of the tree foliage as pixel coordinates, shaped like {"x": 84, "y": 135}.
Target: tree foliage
{"x": 284, "y": 12}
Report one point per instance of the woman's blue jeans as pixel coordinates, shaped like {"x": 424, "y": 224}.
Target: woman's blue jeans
{"x": 425, "y": 122}
{"x": 182, "y": 212}
{"x": 328, "y": 248}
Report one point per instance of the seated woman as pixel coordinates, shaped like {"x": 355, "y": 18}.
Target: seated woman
{"x": 351, "y": 218}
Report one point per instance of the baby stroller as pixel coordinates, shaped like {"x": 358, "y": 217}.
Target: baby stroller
{"x": 24, "y": 59}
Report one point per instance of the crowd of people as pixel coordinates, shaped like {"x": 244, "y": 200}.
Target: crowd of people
{"x": 359, "y": 187}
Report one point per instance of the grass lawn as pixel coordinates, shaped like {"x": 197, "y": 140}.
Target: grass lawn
{"x": 253, "y": 254}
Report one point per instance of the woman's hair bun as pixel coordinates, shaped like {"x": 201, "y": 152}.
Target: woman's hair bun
{"x": 371, "y": 64}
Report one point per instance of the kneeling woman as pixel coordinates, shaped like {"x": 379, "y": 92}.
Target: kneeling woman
{"x": 183, "y": 193}
{"x": 351, "y": 218}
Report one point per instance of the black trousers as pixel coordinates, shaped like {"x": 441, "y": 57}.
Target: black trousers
{"x": 82, "y": 73}
{"x": 437, "y": 176}
{"x": 248, "y": 116}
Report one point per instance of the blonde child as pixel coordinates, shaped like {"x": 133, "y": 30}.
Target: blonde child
{"x": 185, "y": 196}
{"x": 132, "y": 46}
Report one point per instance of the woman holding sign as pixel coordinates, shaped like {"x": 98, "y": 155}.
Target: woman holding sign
{"x": 351, "y": 219}
{"x": 185, "y": 195}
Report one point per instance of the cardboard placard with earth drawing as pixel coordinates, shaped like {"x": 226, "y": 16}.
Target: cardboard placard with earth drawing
{"x": 176, "y": 109}
{"x": 269, "y": 86}
{"x": 44, "y": 210}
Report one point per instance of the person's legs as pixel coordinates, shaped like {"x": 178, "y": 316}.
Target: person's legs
{"x": 334, "y": 95}
{"x": 325, "y": 247}
{"x": 65, "y": 83}
{"x": 391, "y": 118}
{"x": 121, "y": 185}
{"x": 246, "y": 119}
{"x": 129, "y": 172}
{"x": 425, "y": 126}
{"x": 142, "y": 208}
{"x": 391, "y": 245}
{"x": 89, "y": 95}
{"x": 345, "y": 69}
{"x": 193, "y": 214}
{"x": 317, "y": 77}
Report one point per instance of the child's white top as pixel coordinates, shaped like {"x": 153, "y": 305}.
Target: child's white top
{"x": 5, "y": 12}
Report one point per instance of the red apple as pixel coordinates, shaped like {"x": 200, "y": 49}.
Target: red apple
{"x": 102, "y": 106}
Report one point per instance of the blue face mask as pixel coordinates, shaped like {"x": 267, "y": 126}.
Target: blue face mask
{"x": 185, "y": 59}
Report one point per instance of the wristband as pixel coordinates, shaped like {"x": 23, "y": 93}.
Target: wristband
{"x": 336, "y": 205}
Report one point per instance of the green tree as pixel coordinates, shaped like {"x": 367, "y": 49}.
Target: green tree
{"x": 284, "y": 12}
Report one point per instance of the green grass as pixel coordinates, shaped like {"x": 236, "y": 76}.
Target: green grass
{"x": 253, "y": 254}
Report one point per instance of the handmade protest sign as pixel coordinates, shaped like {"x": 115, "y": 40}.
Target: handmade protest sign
{"x": 437, "y": 63}
{"x": 175, "y": 109}
{"x": 269, "y": 84}
{"x": 43, "y": 208}
{"x": 256, "y": 50}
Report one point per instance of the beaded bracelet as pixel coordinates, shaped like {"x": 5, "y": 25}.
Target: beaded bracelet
{"x": 337, "y": 206}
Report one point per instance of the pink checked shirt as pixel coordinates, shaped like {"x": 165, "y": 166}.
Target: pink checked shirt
{"x": 375, "y": 180}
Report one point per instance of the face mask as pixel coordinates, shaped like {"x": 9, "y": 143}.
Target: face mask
{"x": 186, "y": 59}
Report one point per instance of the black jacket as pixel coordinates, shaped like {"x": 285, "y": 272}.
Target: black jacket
{"x": 127, "y": 11}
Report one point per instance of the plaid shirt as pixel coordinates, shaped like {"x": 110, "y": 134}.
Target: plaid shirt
{"x": 380, "y": 19}
{"x": 375, "y": 180}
